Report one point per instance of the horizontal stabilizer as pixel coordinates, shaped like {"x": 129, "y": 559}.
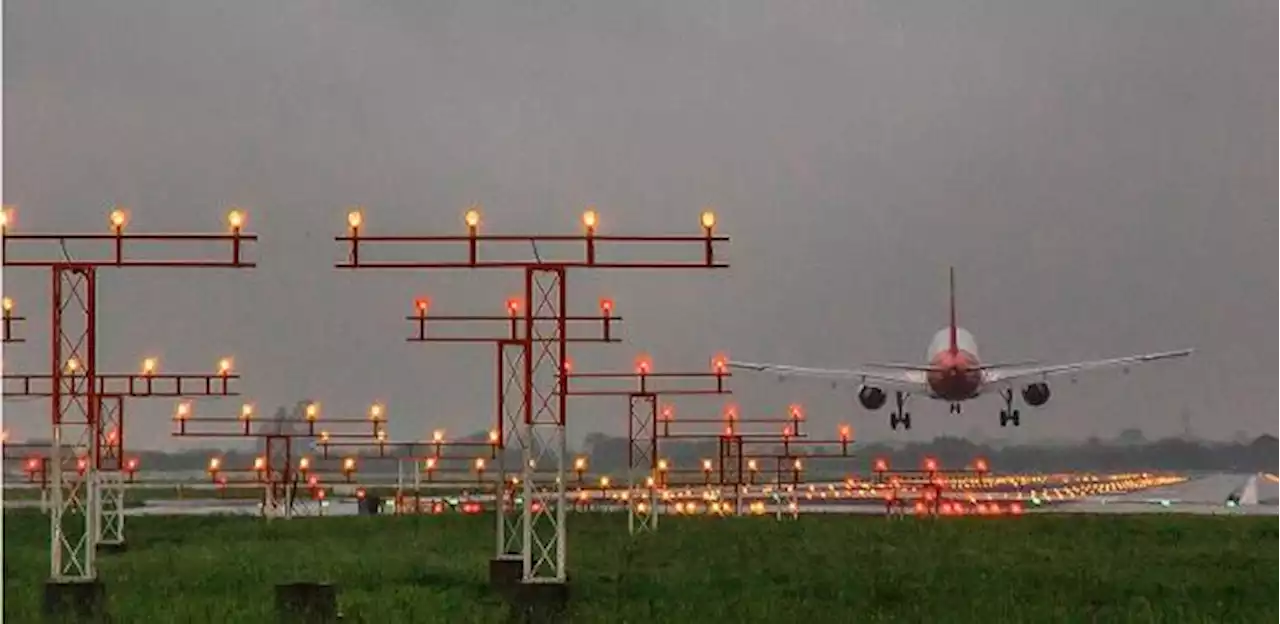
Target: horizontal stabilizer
{"x": 996, "y": 365}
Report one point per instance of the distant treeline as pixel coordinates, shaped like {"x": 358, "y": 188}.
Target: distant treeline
{"x": 608, "y": 455}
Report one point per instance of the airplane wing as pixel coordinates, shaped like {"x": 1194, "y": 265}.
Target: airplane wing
{"x": 1001, "y": 378}
{"x": 911, "y": 380}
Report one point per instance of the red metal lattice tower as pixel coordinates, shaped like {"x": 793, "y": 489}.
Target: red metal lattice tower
{"x": 544, "y": 343}
{"x": 75, "y": 386}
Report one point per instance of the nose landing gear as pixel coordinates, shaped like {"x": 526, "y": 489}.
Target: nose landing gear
{"x": 1008, "y": 415}
{"x": 899, "y": 415}
{"x": 955, "y": 408}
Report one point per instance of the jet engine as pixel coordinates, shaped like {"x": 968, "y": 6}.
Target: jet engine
{"x": 1036, "y": 394}
{"x": 871, "y": 397}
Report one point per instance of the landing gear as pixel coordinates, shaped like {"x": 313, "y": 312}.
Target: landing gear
{"x": 1008, "y": 415}
{"x": 899, "y": 415}
{"x": 955, "y": 408}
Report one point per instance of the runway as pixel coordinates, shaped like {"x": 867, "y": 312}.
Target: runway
{"x": 1204, "y": 495}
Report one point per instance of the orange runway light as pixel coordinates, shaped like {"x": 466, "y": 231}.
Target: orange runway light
{"x": 118, "y": 219}
{"x": 235, "y": 220}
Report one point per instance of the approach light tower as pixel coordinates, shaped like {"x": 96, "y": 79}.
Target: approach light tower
{"x": 544, "y": 343}
{"x": 85, "y": 435}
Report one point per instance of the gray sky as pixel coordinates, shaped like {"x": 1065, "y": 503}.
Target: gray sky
{"x": 1101, "y": 174}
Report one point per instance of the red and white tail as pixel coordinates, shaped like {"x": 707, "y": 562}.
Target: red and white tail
{"x": 955, "y": 347}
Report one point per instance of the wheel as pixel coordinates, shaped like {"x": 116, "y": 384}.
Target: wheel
{"x": 1004, "y": 418}
{"x": 1015, "y": 419}
{"x": 906, "y": 421}
{"x": 893, "y": 421}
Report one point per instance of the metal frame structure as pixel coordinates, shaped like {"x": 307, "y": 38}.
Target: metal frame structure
{"x": 545, "y": 348}
{"x": 275, "y": 468}
{"x": 513, "y": 352}
{"x": 76, "y": 385}
{"x": 644, "y": 479}
{"x": 739, "y": 452}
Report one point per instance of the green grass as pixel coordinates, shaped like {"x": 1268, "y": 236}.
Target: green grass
{"x": 1038, "y": 568}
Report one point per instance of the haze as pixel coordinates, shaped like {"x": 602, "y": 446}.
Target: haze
{"x": 1101, "y": 174}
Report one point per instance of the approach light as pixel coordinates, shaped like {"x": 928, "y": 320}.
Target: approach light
{"x": 513, "y": 306}
{"x": 73, "y": 365}
{"x": 235, "y": 219}
{"x": 224, "y": 366}
{"x": 246, "y": 411}
{"x": 119, "y": 218}
{"x": 8, "y": 304}
{"x": 590, "y": 219}
{"x": 6, "y": 217}
{"x": 472, "y": 218}
{"x": 708, "y": 220}
{"x": 422, "y": 304}
{"x": 355, "y": 218}
{"x": 376, "y": 412}
{"x": 183, "y": 411}
{"x": 719, "y": 364}
{"x": 149, "y": 366}
{"x": 312, "y": 411}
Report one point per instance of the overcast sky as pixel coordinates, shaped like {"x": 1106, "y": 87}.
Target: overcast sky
{"x": 1101, "y": 173}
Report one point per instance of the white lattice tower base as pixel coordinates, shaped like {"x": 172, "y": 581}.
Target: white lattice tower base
{"x": 543, "y": 515}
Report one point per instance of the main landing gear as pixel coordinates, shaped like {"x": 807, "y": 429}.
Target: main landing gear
{"x": 899, "y": 415}
{"x": 1008, "y": 415}
{"x": 955, "y": 408}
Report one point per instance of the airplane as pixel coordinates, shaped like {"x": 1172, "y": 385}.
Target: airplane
{"x": 954, "y": 373}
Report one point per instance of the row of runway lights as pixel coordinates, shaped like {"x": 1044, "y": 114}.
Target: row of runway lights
{"x": 1073, "y": 487}
{"x": 679, "y": 499}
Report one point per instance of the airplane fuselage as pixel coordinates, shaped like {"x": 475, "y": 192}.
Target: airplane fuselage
{"x": 960, "y": 377}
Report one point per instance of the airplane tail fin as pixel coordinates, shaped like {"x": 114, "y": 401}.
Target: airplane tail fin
{"x": 954, "y": 346}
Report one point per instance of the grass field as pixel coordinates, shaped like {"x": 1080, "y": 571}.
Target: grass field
{"x": 1038, "y": 568}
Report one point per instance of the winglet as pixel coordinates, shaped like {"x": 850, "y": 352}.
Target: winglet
{"x": 955, "y": 347}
